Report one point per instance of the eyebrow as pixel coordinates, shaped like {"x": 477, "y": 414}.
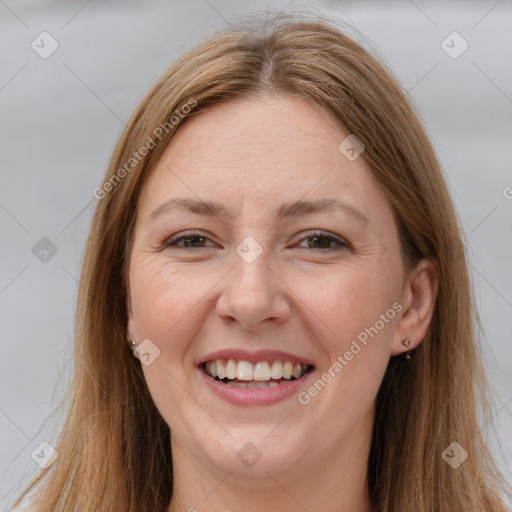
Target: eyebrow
{"x": 297, "y": 208}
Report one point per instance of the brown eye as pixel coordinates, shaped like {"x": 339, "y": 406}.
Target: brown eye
{"x": 324, "y": 242}
{"x": 187, "y": 241}
{"x": 192, "y": 241}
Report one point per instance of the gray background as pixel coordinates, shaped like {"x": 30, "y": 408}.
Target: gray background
{"x": 61, "y": 116}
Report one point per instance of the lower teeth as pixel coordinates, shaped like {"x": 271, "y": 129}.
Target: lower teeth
{"x": 253, "y": 384}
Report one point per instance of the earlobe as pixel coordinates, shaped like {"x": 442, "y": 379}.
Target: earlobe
{"x": 129, "y": 318}
{"x": 419, "y": 299}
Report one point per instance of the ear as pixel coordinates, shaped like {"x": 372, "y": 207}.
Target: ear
{"x": 130, "y": 322}
{"x": 418, "y": 301}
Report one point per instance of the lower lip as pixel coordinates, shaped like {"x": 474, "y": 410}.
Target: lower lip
{"x": 254, "y": 397}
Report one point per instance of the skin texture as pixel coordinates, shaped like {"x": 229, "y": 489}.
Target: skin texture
{"x": 297, "y": 296}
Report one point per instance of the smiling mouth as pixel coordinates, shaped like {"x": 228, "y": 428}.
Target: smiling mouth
{"x": 263, "y": 374}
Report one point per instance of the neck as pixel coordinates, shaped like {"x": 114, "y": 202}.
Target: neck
{"x": 337, "y": 484}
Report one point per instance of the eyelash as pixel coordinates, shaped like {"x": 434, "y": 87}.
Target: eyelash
{"x": 171, "y": 242}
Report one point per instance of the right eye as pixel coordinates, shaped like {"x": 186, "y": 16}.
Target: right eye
{"x": 190, "y": 240}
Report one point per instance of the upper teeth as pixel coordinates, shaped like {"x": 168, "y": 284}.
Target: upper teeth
{"x": 245, "y": 370}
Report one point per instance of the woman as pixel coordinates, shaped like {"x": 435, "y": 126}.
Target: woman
{"x": 275, "y": 311}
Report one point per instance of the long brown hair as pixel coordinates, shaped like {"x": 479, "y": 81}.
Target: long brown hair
{"x": 114, "y": 448}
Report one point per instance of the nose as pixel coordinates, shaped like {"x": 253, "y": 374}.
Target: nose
{"x": 253, "y": 295}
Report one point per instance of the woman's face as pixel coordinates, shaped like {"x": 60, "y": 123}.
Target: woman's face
{"x": 245, "y": 264}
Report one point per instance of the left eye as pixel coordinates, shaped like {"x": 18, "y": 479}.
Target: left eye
{"x": 317, "y": 240}
{"x": 323, "y": 240}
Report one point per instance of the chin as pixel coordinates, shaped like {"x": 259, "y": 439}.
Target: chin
{"x": 254, "y": 453}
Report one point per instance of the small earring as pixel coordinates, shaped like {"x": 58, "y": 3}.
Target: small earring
{"x": 135, "y": 350}
{"x": 406, "y": 342}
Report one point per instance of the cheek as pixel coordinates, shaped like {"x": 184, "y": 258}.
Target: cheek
{"x": 351, "y": 301}
{"x": 170, "y": 303}
{"x": 165, "y": 306}
{"x": 162, "y": 297}
{"x": 360, "y": 310}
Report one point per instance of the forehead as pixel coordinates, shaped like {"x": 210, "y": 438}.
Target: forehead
{"x": 258, "y": 127}
{"x": 264, "y": 152}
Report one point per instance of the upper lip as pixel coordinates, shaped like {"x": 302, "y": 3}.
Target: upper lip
{"x": 254, "y": 356}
